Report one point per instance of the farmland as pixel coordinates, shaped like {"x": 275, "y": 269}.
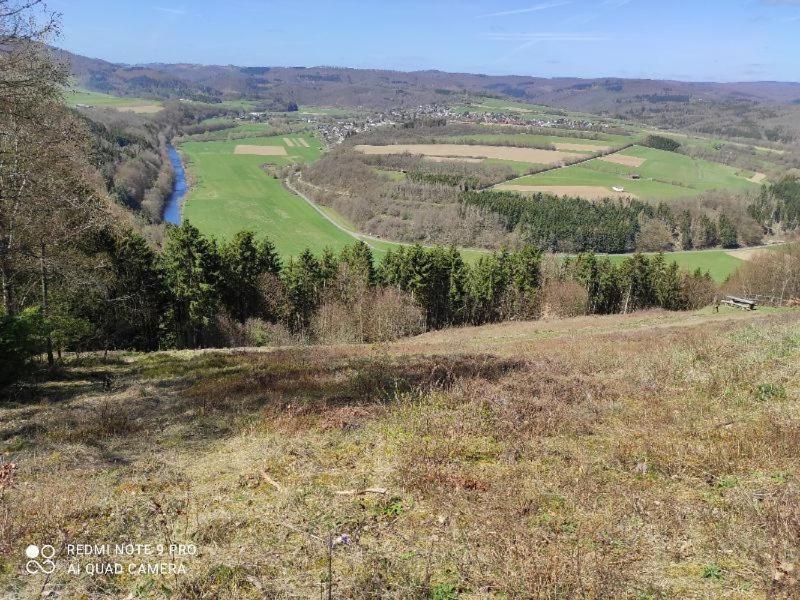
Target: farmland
{"x": 87, "y": 98}
{"x": 231, "y": 192}
{"x": 529, "y": 155}
{"x": 663, "y": 175}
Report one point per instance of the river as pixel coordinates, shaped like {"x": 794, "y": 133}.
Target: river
{"x": 172, "y": 208}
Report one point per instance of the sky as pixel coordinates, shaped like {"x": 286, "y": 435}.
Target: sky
{"x": 690, "y": 40}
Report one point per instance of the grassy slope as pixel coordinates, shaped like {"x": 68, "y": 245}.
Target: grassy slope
{"x": 665, "y": 175}
{"x": 231, "y": 192}
{"x": 653, "y": 455}
{"x": 78, "y": 96}
{"x": 718, "y": 263}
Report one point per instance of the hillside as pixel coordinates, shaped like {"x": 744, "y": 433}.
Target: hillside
{"x": 771, "y": 107}
{"x": 652, "y": 455}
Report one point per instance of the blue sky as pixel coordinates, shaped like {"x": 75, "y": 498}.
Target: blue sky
{"x": 706, "y": 40}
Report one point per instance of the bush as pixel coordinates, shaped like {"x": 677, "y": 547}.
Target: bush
{"x": 380, "y": 315}
{"x": 563, "y": 299}
{"x": 659, "y": 142}
{"x": 20, "y": 341}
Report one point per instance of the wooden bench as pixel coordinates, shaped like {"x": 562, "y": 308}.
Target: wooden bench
{"x": 742, "y": 303}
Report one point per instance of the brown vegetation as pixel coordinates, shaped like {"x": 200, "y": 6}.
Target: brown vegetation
{"x": 527, "y": 155}
{"x": 260, "y": 150}
{"x": 651, "y": 453}
{"x": 773, "y": 277}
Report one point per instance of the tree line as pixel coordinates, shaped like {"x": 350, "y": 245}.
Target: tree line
{"x": 570, "y": 224}
{"x": 199, "y": 293}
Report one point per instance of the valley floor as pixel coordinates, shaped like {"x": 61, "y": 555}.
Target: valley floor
{"x": 651, "y": 455}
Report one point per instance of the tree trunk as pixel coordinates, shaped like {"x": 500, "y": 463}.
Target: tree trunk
{"x": 46, "y": 301}
{"x": 6, "y": 272}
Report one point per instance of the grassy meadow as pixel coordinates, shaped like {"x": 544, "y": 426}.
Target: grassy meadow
{"x": 651, "y": 455}
{"x": 79, "y": 96}
{"x": 231, "y": 192}
{"x": 718, "y": 263}
{"x": 664, "y": 175}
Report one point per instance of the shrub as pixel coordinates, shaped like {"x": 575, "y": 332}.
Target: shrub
{"x": 20, "y": 341}
{"x": 660, "y": 142}
{"x": 563, "y": 299}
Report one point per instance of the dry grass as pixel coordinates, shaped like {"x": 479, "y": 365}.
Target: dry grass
{"x": 621, "y": 159}
{"x": 144, "y": 109}
{"x": 260, "y": 150}
{"x": 652, "y": 455}
{"x": 581, "y": 147}
{"x": 529, "y": 155}
{"x": 589, "y": 192}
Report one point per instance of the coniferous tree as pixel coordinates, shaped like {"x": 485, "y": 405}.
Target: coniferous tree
{"x": 302, "y": 279}
{"x": 728, "y": 236}
{"x": 191, "y": 266}
{"x": 243, "y": 262}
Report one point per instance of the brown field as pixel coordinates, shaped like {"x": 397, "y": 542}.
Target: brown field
{"x": 589, "y": 192}
{"x": 142, "y": 109}
{"x": 621, "y": 159}
{"x": 260, "y": 150}
{"x": 288, "y": 142}
{"x": 532, "y": 155}
{"x": 580, "y": 147}
{"x": 749, "y": 253}
{"x": 758, "y": 178}
{"x": 650, "y": 455}
{"x": 302, "y": 142}
{"x": 440, "y": 159}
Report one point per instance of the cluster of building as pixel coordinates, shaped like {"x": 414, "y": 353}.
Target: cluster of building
{"x": 501, "y": 118}
{"x": 336, "y": 132}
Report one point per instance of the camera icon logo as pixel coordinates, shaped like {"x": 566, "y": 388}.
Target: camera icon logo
{"x": 40, "y": 559}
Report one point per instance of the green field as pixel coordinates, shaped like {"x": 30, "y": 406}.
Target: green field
{"x": 664, "y": 175}
{"x": 719, "y": 264}
{"x": 231, "y": 192}
{"x": 79, "y": 96}
{"x": 535, "y": 140}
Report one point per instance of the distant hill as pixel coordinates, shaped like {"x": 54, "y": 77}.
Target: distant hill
{"x": 382, "y": 88}
{"x": 753, "y": 110}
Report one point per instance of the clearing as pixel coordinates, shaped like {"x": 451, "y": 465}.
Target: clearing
{"x": 550, "y": 459}
{"x": 258, "y": 150}
{"x": 581, "y": 191}
{"x": 84, "y": 98}
{"x": 663, "y": 175}
{"x": 529, "y": 155}
{"x": 621, "y": 159}
{"x": 230, "y": 192}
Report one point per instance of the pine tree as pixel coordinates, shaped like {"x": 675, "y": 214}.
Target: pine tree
{"x": 728, "y": 236}
{"x": 686, "y": 230}
{"x": 302, "y": 279}
{"x": 192, "y": 270}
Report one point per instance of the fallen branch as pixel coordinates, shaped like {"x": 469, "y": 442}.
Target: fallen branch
{"x": 373, "y": 490}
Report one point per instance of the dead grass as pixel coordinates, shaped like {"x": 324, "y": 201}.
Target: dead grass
{"x": 652, "y": 455}
{"x": 589, "y": 192}
{"x": 260, "y": 150}
{"x": 530, "y": 155}
{"x": 621, "y": 159}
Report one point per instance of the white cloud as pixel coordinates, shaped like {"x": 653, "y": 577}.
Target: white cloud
{"x": 546, "y": 37}
{"x": 519, "y": 11}
{"x": 171, "y": 11}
